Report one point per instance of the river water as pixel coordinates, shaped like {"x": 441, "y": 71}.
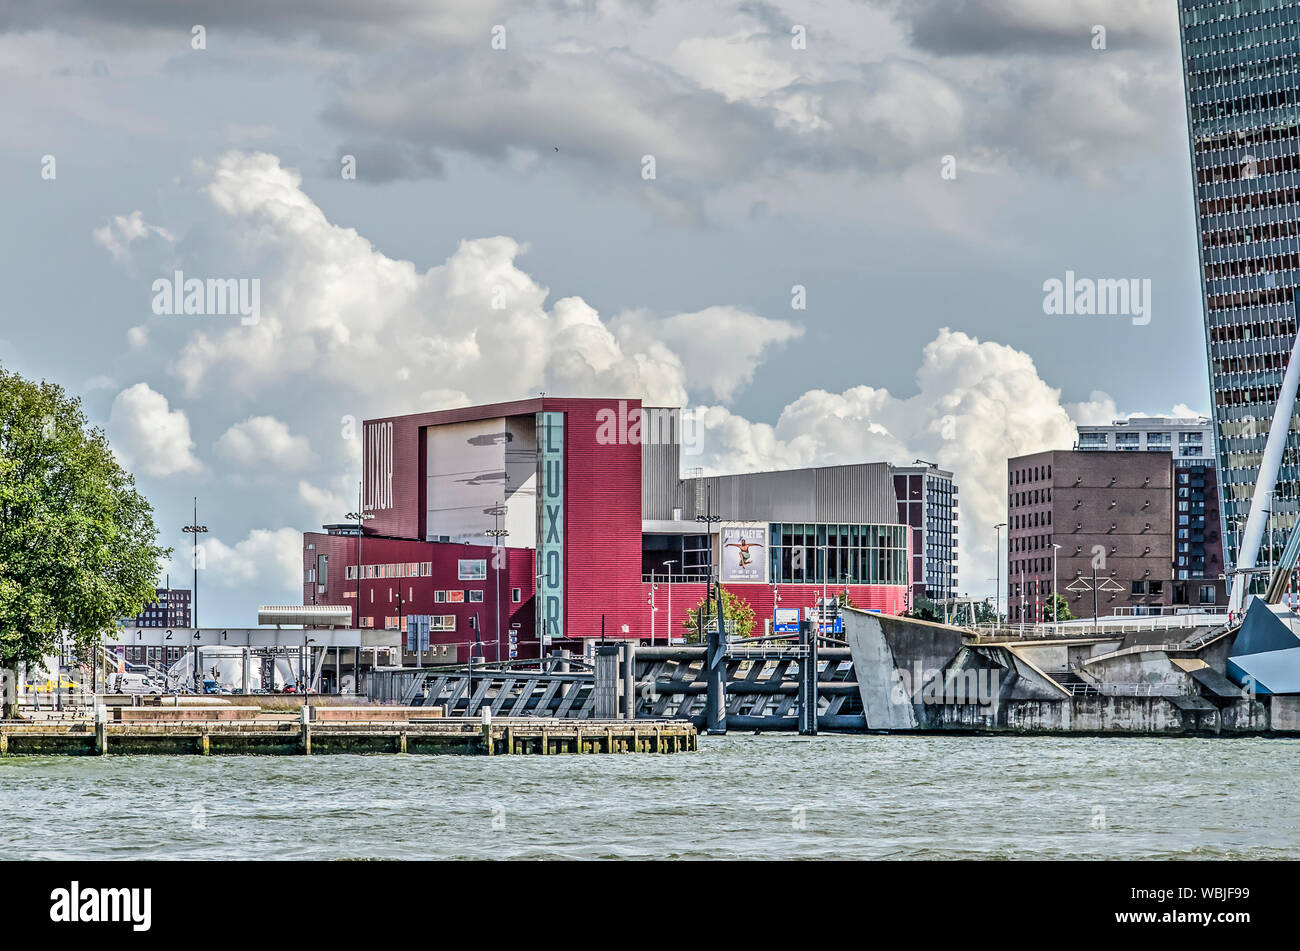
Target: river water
{"x": 752, "y": 797}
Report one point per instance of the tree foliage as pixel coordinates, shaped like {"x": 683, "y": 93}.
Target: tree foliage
{"x": 77, "y": 541}
{"x": 1063, "y": 612}
{"x": 738, "y": 617}
{"x": 923, "y": 609}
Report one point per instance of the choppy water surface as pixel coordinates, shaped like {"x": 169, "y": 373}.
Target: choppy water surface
{"x": 738, "y": 797}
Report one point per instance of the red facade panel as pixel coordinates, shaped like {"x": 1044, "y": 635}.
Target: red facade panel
{"x": 602, "y": 512}
{"x": 685, "y": 597}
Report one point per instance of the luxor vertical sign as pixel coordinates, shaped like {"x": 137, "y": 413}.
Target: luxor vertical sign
{"x": 550, "y": 524}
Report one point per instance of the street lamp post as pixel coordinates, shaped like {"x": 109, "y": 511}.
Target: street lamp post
{"x": 668, "y": 637}
{"x": 194, "y": 530}
{"x": 997, "y": 560}
{"x": 360, "y": 516}
{"x": 709, "y": 520}
{"x": 497, "y": 534}
{"x": 1055, "y": 608}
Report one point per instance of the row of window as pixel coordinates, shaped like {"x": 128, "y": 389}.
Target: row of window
{"x": 1246, "y": 267}
{"x": 1031, "y": 474}
{"x": 1031, "y": 520}
{"x": 1250, "y": 201}
{"x": 821, "y": 553}
{"x": 446, "y": 596}
{"x": 1238, "y": 39}
{"x": 1209, "y": 75}
{"x": 1273, "y": 231}
{"x": 1238, "y": 105}
{"x": 1256, "y": 298}
{"x": 1214, "y": 11}
{"x": 1221, "y": 333}
{"x": 467, "y": 569}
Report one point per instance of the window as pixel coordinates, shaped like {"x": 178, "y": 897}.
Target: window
{"x": 440, "y": 597}
{"x": 516, "y": 595}
{"x": 1207, "y": 594}
{"x": 1139, "y": 587}
{"x": 471, "y": 569}
{"x": 476, "y": 596}
{"x": 456, "y": 597}
{"x": 442, "y": 622}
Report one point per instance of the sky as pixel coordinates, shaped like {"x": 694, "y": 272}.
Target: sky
{"x": 825, "y": 227}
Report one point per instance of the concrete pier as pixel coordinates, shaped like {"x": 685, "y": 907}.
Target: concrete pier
{"x": 308, "y": 736}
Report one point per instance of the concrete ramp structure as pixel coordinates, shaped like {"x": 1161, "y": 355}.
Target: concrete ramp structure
{"x": 1266, "y": 653}
{"x": 916, "y": 675}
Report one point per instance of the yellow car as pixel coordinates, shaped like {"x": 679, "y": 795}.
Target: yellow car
{"x": 48, "y": 685}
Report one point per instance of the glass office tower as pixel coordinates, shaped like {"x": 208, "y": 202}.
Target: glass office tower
{"x": 1241, "y": 69}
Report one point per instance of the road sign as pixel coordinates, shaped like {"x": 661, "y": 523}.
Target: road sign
{"x": 785, "y": 621}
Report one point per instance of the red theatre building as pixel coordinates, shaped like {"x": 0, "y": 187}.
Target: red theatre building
{"x": 504, "y": 526}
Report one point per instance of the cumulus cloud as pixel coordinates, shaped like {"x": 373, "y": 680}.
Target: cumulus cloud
{"x": 268, "y": 561}
{"x": 977, "y": 403}
{"x": 326, "y": 506}
{"x": 334, "y": 303}
{"x": 264, "y": 441}
{"x": 149, "y": 436}
{"x": 118, "y": 235}
{"x": 1099, "y": 409}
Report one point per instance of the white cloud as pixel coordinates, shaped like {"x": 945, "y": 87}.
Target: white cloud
{"x": 1099, "y": 409}
{"x": 264, "y": 441}
{"x": 336, "y": 303}
{"x": 122, "y": 230}
{"x": 267, "y": 561}
{"x": 326, "y": 506}
{"x": 148, "y": 436}
{"x": 977, "y": 404}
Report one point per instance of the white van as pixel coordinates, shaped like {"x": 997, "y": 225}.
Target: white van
{"x": 134, "y": 683}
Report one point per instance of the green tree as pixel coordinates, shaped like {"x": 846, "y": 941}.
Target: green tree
{"x": 923, "y": 609}
{"x": 738, "y": 617}
{"x": 1062, "y": 609}
{"x": 77, "y": 541}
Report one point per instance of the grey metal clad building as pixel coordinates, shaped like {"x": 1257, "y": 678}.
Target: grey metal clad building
{"x": 862, "y": 493}
{"x": 1241, "y": 65}
{"x": 865, "y": 506}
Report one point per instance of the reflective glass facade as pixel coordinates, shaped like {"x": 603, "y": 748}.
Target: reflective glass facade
{"x": 1241, "y": 62}
{"x": 838, "y": 554}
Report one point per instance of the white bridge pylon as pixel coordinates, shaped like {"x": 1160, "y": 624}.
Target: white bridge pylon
{"x": 1266, "y": 481}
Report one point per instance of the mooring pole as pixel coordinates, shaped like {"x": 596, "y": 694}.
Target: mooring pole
{"x": 629, "y": 680}
{"x": 807, "y": 679}
{"x": 715, "y": 712}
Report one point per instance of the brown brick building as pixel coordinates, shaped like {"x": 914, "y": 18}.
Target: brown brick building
{"x": 1131, "y": 513}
